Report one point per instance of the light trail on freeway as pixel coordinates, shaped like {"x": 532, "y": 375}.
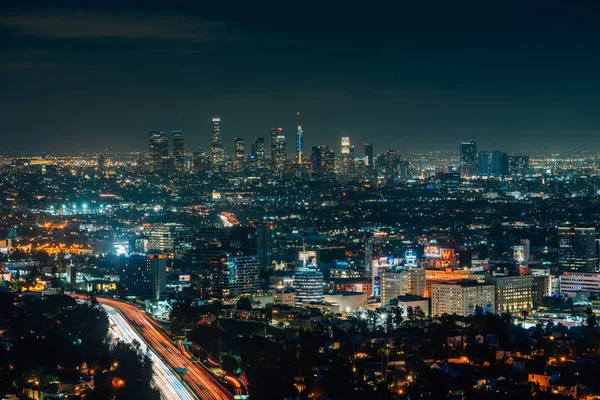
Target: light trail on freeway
{"x": 204, "y": 385}
{"x": 167, "y": 382}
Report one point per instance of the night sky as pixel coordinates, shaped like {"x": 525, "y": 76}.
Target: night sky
{"x": 516, "y": 76}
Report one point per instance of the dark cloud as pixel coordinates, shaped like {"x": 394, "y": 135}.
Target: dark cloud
{"x": 515, "y": 76}
{"x": 77, "y": 24}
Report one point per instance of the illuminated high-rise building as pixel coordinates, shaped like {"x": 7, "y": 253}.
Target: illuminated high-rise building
{"x": 299, "y": 142}
{"x": 577, "y": 248}
{"x": 345, "y": 156}
{"x": 259, "y": 152}
{"x": 484, "y": 163}
{"x": 239, "y": 153}
{"x": 159, "y": 150}
{"x": 308, "y": 284}
{"x": 368, "y": 155}
{"x": 323, "y": 160}
{"x": 144, "y": 276}
{"x": 468, "y": 158}
{"x": 217, "y": 152}
{"x": 178, "y": 150}
{"x": 278, "y": 148}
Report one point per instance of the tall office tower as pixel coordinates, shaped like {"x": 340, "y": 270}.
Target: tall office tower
{"x": 144, "y": 276}
{"x": 234, "y": 274}
{"x": 484, "y": 163}
{"x": 323, "y": 160}
{"x": 345, "y": 158}
{"x": 159, "y": 150}
{"x": 259, "y": 148}
{"x": 468, "y": 157}
{"x": 369, "y": 155}
{"x": 499, "y": 164}
{"x": 178, "y": 150}
{"x": 390, "y": 162}
{"x": 518, "y": 165}
{"x": 101, "y": 165}
{"x": 217, "y": 152}
{"x": 577, "y": 248}
{"x": 299, "y": 142}
{"x": 308, "y": 284}
{"x": 200, "y": 161}
{"x": 263, "y": 245}
{"x": 240, "y": 153}
{"x": 278, "y": 148}
{"x": 168, "y": 237}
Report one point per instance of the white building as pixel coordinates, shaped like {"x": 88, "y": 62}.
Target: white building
{"x": 461, "y": 298}
{"x": 401, "y": 282}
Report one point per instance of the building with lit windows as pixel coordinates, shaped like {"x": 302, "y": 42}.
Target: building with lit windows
{"x": 573, "y": 282}
{"x": 433, "y": 276}
{"x": 178, "y": 150}
{"x": 240, "y": 153}
{"x": 396, "y": 283}
{"x": 513, "y": 293}
{"x": 369, "y": 155}
{"x": 468, "y": 158}
{"x": 217, "y": 152}
{"x": 259, "y": 152}
{"x": 159, "y": 151}
{"x": 308, "y": 286}
{"x": 278, "y": 148}
{"x": 144, "y": 276}
{"x": 461, "y": 298}
{"x": 577, "y": 248}
{"x": 170, "y": 237}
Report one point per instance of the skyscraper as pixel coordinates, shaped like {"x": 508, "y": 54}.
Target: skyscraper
{"x": 178, "y": 150}
{"x": 468, "y": 157}
{"x": 299, "y": 142}
{"x": 484, "y": 163}
{"x": 345, "y": 159}
{"x": 499, "y": 164}
{"x": 278, "y": 148}
{"x": 239, "y": 153}
{"x": 263, "y": 245}
{"x": 323, "y": 160}
{"x": 217, "y": 152}
{"x": 159, "y": 150}
{"x": 308, "y": 284}
{"x": 577, "y": 249}
{"x": 259, "y": 148}
{"x": 144, "y": 276}
{"x": 368, "y": 155}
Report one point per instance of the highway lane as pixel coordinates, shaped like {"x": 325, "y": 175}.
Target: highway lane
{"x": 198, "y": 379}
{"x": 167, "y": 382}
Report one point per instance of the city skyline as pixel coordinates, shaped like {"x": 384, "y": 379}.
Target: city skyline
{"x": 515, "y": 75}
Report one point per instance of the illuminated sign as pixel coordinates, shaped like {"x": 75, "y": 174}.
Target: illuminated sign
{"x": 439, "y": 252}
{"x": 431, "y": 251}
{"x": 519, "y": 254}
{"x": 184, "y": 278}
{"x": 447, "y": 254}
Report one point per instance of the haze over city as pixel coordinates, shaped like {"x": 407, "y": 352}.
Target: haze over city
{"x": 98, "y": 76}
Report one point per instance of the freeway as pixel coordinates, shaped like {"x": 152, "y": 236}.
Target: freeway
{"x": 201, "y": 381}
{"x": 167, "y": 382}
